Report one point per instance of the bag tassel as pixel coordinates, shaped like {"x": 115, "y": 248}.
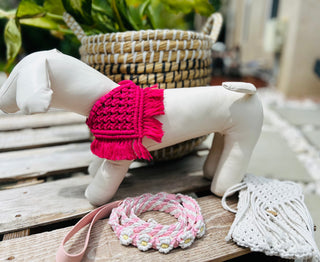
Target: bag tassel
{"x": 272, "y": 218}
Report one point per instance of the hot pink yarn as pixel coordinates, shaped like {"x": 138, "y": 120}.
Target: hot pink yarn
{"x": 120, "y": 119}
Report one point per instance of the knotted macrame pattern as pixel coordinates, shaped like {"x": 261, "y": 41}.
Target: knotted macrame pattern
{"x": 120, "y": 119}
{"x": 272, "y": 218}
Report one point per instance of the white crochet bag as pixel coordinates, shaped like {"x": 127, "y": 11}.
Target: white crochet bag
{"x": 272, "y": 218}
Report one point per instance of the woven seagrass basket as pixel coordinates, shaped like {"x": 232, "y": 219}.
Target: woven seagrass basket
{"x": 168, "y": 58}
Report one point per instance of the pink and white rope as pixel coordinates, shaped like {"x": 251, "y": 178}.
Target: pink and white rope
{"x": 130, "y": 229}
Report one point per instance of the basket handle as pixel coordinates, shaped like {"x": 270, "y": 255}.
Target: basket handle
{"x": 74, "y": 26}
{"x": 213, "y": 26}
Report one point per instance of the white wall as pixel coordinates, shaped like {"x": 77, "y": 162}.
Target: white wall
{"x": 301, "y": 48}
{"x": 246, "y": 20}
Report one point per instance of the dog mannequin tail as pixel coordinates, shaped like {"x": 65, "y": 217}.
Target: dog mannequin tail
{"x": 241, "y": 87}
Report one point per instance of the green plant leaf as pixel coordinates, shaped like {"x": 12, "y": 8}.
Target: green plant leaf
{"x": 134, "y": 19}
{"x": 117, "y": 15}
{"x": 54, "y": 6}
{"x": 134, "y": 14}
{"x": 29, "y": 8}
{"x": 184, "y": 6}
{"x": 12, "y": 38}
{"x": 102, "y": 6}
{"x": 3, "y": 13}
{"x": 204, "y": 7}
{"x": 7, "y": 14}
{"x": 103, "y": 16}
{"x": 159, "y": 17}
{"x": 125, "y": 16}
{"x": 143, "y": 7}
{"x": 102, "y": 22}
{"x": 40, "y": 22}
{"x": 79, "y": 9}
{"x": 216, "y": 4}
{"x": 151, "y": 17}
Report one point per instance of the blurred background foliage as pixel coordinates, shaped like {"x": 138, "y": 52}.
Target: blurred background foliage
{"x": 32, "y": 25}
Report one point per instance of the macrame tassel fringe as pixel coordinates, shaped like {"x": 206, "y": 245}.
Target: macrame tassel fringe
{"x": 140, "y": 150}
{"x": 132, "y": 148}
{"x": 113, "y": 149}
{"x": 282, "y": 227}
{"x": 153, "y": 106}
{"x": 239, "y": 213}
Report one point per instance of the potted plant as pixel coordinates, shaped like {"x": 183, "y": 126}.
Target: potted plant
{"x": 99, "y": 16}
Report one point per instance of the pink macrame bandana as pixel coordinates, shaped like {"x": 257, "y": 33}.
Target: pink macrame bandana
{"x": 120, "y": 119}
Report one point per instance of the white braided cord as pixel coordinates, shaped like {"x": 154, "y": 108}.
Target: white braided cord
{"x": 130, "y": 229}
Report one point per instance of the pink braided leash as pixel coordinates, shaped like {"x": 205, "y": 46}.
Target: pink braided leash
{"x": 130, "y": 229}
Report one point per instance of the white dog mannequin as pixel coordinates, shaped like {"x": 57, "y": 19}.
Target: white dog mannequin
{"x": 51, "y": 79}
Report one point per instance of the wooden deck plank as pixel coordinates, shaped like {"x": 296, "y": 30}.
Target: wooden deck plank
{"x": 64, "y": 199}
{"x": 18, "y": 234}
{"x": 21, "y": 183}
{"x": 28, "y": 163}
{"x": 104, "y": 245}
{"x": 30, "y": 138}
{"x": 18, "y": 121}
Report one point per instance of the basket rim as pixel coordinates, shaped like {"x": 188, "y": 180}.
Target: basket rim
{"x": 146, "y": 57}
{"x": 144, "y": 45}
{"x": 140, "y": 35}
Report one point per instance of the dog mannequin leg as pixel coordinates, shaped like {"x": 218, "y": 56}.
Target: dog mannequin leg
{"x": 212, "y": 160}
{"x": 233, "y": 162}
{"x": 95, "y": 165}
{"x": 106, "y": 181}
{"x": 238, "y": 144}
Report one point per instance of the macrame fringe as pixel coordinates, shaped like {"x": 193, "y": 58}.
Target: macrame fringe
{"x": 153, "y": 106}
{"x": 122, "y": 148}
{"x": 113, "y": 149}
{"x": 266, "y": 221}
{"x": 140, "y": 151}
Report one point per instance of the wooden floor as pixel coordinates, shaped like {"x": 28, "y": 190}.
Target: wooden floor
{"x": 43, "y": 176}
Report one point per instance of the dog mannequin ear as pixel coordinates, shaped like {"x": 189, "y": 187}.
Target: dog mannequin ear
{"x": 33, "y": 87}
{"x": 8, "y": 96}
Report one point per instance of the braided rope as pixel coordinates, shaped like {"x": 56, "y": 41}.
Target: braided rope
{"x": 151, "y": 45}
{"x": 181, "y": 84}
{"x": 143, "y": 68}
{"x": 213, "y": 26}
{"x": 146, "y": 57}
{"x": 146, "y": 35}
{"x": 74, "y": 26}
{"x": 168, "y": 77}
{"x": 130, "y": 229}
